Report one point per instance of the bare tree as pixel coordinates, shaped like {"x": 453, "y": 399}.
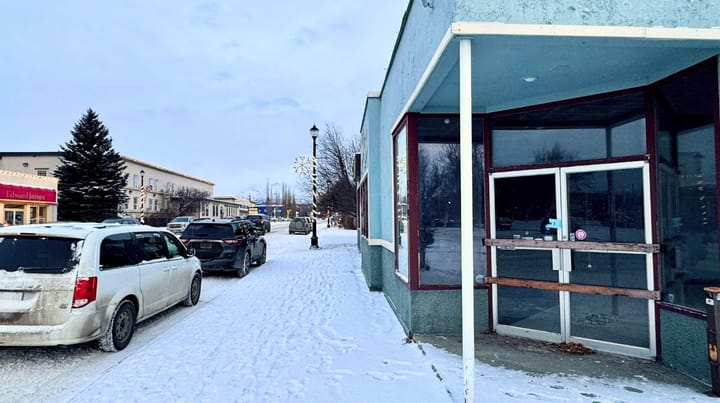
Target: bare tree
{"x": 184, "y": 202}
{"x": 335, "y": 157}
{"x": 187, "y": 201}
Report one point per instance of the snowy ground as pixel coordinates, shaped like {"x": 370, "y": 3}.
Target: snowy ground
{"x": 301, "y": 328}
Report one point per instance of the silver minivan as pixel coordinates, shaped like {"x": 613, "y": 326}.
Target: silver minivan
{"x": 69, "y": 283}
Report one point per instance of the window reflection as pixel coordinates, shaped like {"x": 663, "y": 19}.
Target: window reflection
{"x": 401, "y": 202}
{"x": 608, "y": 205}
{"x": 596, "y": 129}
{"x": 439, "y": 234}
{"x": 523, "y": 206}
{"x": 687, "y": 187}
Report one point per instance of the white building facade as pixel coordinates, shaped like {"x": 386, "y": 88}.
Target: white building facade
{"x": 160, "y": 184}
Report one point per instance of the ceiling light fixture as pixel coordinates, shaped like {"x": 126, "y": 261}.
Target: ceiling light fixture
{"x": 529, "y": 79}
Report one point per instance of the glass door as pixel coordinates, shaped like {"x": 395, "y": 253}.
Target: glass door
{"x": 523, "y": 204}
{"x": 572, "y": 256}
{"x": 14, "y": 216}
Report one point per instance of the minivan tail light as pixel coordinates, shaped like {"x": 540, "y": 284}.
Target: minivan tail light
{"x": 85, "y": 291}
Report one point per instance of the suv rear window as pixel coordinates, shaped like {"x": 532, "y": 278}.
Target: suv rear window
{"x": 209, "y": 231}
{"x": 37, "y": 254}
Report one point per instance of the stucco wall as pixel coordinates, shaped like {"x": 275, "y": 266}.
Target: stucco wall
{"x": 396, "y": 292}
{"x": 421, "y": 36}
{"x": 668, "y": 13}
{"x": 373, "y": 159}
{"x": 684, "y": 344}
{"x": 371, "y": 264}
{"x": 440, "y": 312}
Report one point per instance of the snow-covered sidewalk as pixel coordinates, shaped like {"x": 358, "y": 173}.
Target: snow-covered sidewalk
{"x": 304, "y": 328}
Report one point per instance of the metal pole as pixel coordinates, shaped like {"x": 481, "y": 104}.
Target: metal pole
{"x": 314, "y": 238}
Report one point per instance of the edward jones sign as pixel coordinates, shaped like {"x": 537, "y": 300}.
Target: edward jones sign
{"x": 26, "y": 193}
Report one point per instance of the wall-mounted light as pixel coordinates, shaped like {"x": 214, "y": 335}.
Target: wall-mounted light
{"x": 529, "y": 79}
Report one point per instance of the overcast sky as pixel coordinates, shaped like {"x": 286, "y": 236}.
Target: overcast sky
{"x": 223, "y": 90}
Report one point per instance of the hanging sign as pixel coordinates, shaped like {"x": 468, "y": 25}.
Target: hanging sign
{"x": 580, "y": 234}
{"x": 27, "y": 193}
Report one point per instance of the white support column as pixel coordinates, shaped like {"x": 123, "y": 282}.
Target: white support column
{"x": 466, "y": 218}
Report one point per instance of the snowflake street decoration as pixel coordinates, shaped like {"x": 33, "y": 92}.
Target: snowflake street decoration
{"x": 303, "y": 165}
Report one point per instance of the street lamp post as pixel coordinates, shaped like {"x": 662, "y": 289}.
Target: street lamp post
{"x": 142, "y": 196}
{"x": 314, "y": 239}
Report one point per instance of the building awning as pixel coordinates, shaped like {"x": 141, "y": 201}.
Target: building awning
{"x": 517, "y": 65}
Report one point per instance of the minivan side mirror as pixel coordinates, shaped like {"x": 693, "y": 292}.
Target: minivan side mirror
{"x": 191, "y": 251}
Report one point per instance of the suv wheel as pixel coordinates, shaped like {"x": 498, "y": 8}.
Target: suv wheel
{"x": 120, "y": 331}
{"x": 263, "y": 257}
{"x": 243, "y": 271}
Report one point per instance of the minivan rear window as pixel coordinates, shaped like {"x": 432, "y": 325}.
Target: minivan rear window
{"x": 37, "y": 254}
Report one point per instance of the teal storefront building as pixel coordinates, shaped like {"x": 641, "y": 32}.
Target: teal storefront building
{"x": 588, "y": 135}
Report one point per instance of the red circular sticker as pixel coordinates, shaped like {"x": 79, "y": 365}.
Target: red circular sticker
{"x": 580, "y": 234}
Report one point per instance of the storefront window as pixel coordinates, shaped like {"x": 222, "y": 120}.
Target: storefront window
{"x": 401, "y": 201}
{"x": 439, "y": 198}
{"x": 687, "y": 186}
{"x": 597, "y": 129}
{"x": 362, "y": 204}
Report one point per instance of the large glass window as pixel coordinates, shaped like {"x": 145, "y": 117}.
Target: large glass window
{"x": 596, "y": 129}
{"x": 362, "y": 206}
{"x": 687, "y": 186}
{"x": 608, "y": 204}
{"x": 400, "y": 159}
{"x": 439, "y": 198}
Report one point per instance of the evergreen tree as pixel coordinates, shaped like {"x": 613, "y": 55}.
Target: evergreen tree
{"x": 91, "y": 175}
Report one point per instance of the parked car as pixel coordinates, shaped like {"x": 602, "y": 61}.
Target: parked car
{"x": 226, "y": 244}
{"x": 261, "y": 221}
{"x": 300, "y": 225}
{"x": 121, "y": 220}
{"x": 68, "y": 283}
{"x": 178, "y": 224}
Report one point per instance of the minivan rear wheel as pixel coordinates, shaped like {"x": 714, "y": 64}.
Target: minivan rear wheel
{"x": 194, "y": 292}
{"x": 121, "y": 329}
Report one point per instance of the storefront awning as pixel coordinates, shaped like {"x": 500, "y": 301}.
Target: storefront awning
{"x": 516, "y": 65}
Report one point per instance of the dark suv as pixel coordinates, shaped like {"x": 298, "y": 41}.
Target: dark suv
{"x": 261, "y": 221}
{"x": 225, "y": 245}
